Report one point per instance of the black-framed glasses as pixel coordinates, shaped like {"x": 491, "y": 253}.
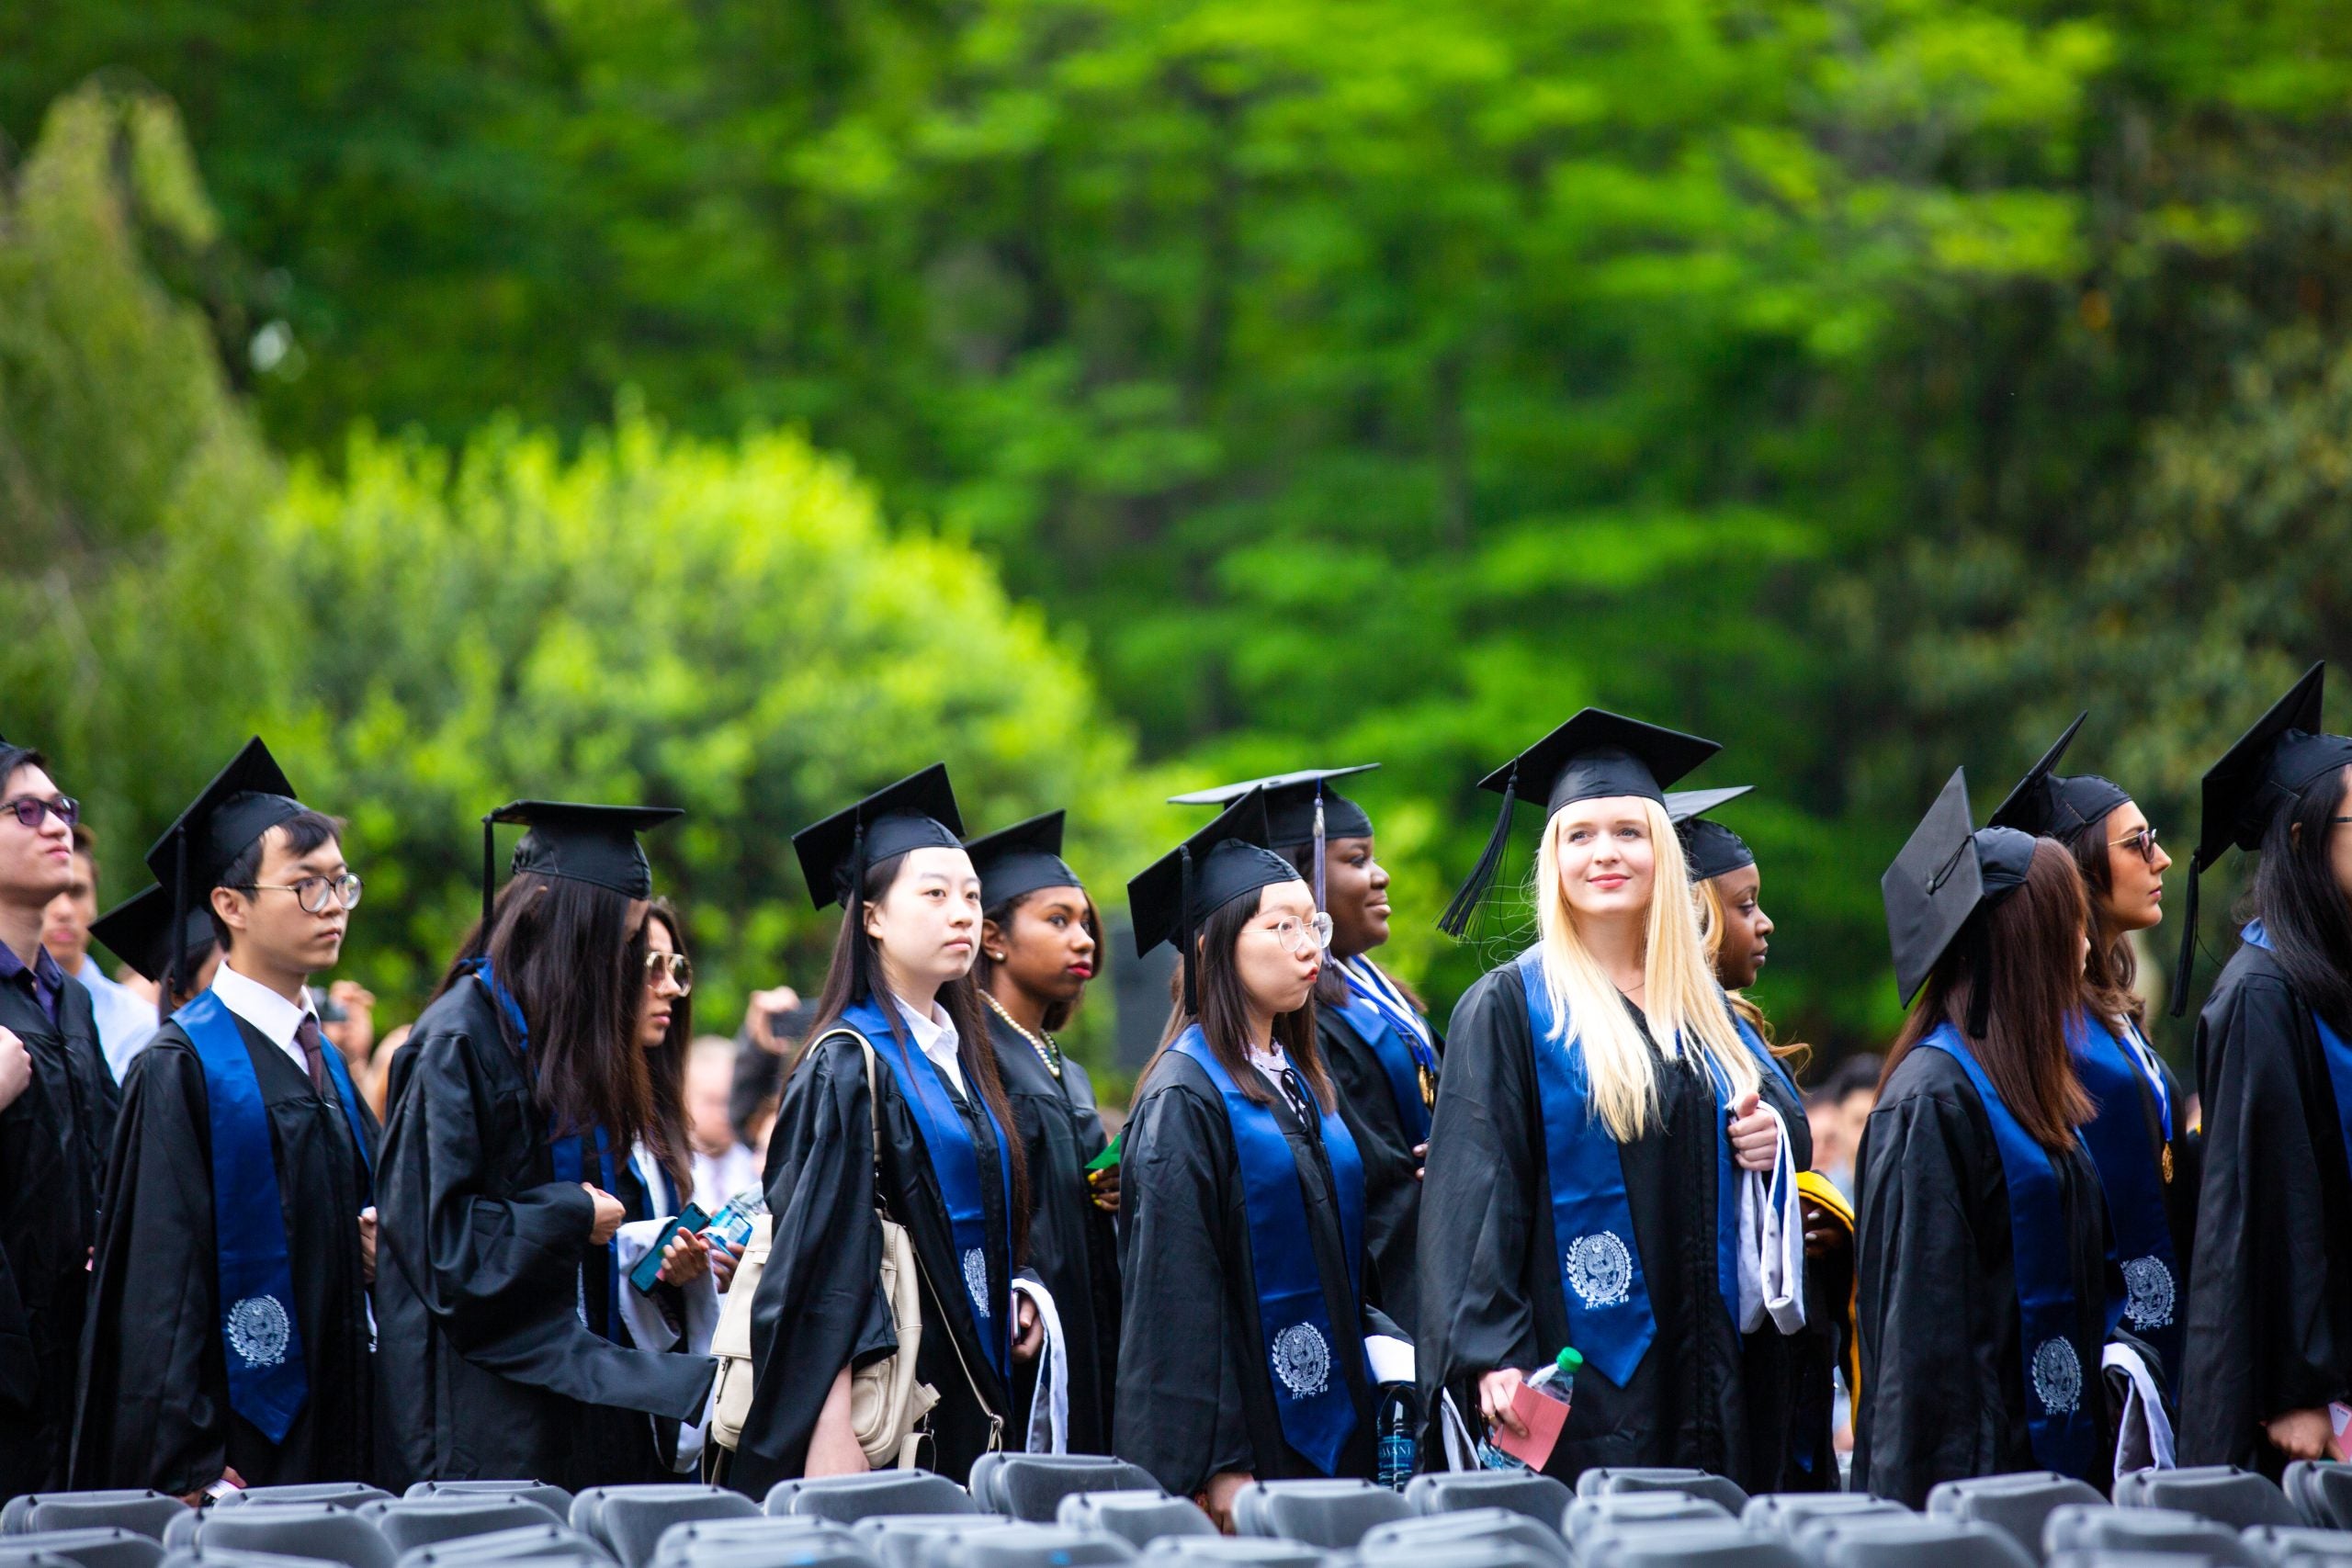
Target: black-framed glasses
{"x": 317, "y": 895}
{"x": 676, "y": 966}
{"x": 30, "y": 808}
{"x": 2142, "y": 843}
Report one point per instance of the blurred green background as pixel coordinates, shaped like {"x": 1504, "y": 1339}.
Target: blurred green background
{"x": 736, "y": 404}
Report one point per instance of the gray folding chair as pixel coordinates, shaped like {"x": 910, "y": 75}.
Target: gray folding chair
{"x": 1786, "y": 1514}
{"x": 1605, "y": 1481}
{"x": 534, "y": 1544}
{"x": 1232, "y": 1552}
{"x": 2081, "y": 1527}
{"x": 189, "y": 1557}
{"x": 1031, "y": 1486}
{"x": 1541, "y": 1497}
{"x": 1910, "y": 1540}
{"x": 100, "y": 1546}
{"x": 1136, "y": 1517}
{"x": 1032, "y": 1546}
{"x": 554, "y": 1499}
{"x": 2020, "y": 1504}
{"x": 1333, "y": 1515}
{"x": 13, "y": 1555}
{"x": 632, "y": 1518}
{"x": 2300, "y": 1543}
{"x": 903, "y": 1540}
{"x": 306, "y": 1494}
{"x": 2222, "y": 1492}
{"x": 1722, "y": 1544}
{"x": 778, "y": 1536}
{"x": 1589, "y": 1517}
{"x": 879, "y": 1493}
{"x": 295, "y": 1529}
{"x": 407, "y": 1523}
{"x": 132, "y": 1509}
{"x": 1407, "y": 1543}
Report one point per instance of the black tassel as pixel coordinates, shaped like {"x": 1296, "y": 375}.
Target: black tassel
{"x": 1185, "y": 955}
{"x": 489, "y": 875}
{"x": 1456, "y": 919}
{"x": 176, "y": 978}
{"x": 861, "y": 984}
{"x": 1319, "y": 846}
{"x": 2186, "y": 969}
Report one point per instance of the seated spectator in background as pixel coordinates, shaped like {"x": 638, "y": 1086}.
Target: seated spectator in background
{"x": 125, "y": 1019}
{"x": 773, "y": 1020}
{"x": 348, "y": 1021}
{"x": 723, "y": 1164}
{"x": 1837, "y": 1111}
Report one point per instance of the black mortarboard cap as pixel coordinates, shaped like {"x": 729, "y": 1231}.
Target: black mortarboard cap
{"x": 595, "y": 844}
{"x": 1946, "y": 872}
{"x": 2051, "y": 806}
{"x": 139, "y": 931}
{"x": 1595, "y": 754}
{"x": 1709, "y": 849}
{"x": 244, "y": 800}
{"x": 1020, "y": 859}
{"x": 2265, "y": 774}
{"x": 918, "y": 812}
{"x": 12, "y": 757}
{"x": 1302, "y": 810}
{"x": 1176, "y": 894}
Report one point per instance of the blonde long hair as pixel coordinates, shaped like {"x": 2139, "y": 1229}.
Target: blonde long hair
{"x": 1683, "y": 1000}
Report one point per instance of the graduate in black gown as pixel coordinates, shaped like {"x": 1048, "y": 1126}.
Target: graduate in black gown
{"x": 949, "y": 1169}
{"x": 1601, "y": 1104}
{"x": 1243, "y": 1355}
{"x": 506, "y": 1172}
{"x": 2269, "y": 1368}
{"x": 1383, "y": 1055}
{"x": 229, "y": 1335}
{"x": 1984, "y": 1261}
{"x": 1041, "y": 941}
{"x": 57, "y": 1112}
{"x": 1792, "y": 1372}
{"x": 2139, "y": 1134}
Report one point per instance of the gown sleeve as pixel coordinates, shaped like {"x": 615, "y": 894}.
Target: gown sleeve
{"x": 2266, "y": 1328}
{"x": 1178, "y": 1411}
{"x": 1478, "y": 1201}
{"x": 816, "y": 1309}
{"x": 1923, "y": 1417}
{"x": 147, "y": 1418}
{"x": 501, "y": 1273}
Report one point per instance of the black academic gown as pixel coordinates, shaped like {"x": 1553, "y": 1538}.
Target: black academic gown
{"x": 819, "y": 1307}
{"x": 1195, "y": 1392}
{"x": 1943, "y": 1375}
{"x": 2270, "y": 1326}
{"x": 1391, "y": 1183}
{"x": 1703, "y": 1394}
{"x": 489, "y": 1299}
{"x": 54, "y": 1141}
{"x": 155, "y": 1407}
{"x": 1073, "y": 1246}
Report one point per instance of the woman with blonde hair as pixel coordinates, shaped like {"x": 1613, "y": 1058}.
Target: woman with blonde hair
{"x": 1600, "y": 1101}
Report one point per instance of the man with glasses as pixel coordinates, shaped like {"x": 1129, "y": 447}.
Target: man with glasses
{"x": 231, "y": 1341}
{"x": 57, "y": 1112}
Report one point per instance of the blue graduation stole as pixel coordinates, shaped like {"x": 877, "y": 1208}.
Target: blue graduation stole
{"x": 956, "y": 1163}
{"x": 269, "y": 1381}
{"x": 1610, "y": 1318}
{"x": 2130, "y": 1174}
{"x": 566, "y": 1152}
{"x": 2059, "y": 1364}
{"x": 2332, "y": 1049}
{"x": 1398, "y": 1040}
{"x": 1303, "y": 1345}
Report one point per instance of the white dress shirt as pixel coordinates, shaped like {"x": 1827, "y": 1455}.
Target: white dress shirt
{"x": 277, "y": 1018}
{"x": 936, "y": 1038}
{"x": 127, "y": 1020}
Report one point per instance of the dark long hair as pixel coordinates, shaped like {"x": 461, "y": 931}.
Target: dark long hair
{"x": 1224, "y": 1010}
{"x": 563, "y": 949}
{"x": 2303, "y": 907}
{"x": 1057, "y": 1014}
{"x": 2028, "y": 942}
{"x": 853, "y": 975}
{"x": 665, "y": 1066}
{"x": 2108, "y": 978}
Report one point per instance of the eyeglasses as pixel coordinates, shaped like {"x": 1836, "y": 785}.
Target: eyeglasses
{"x": 317, "y": 895}
{"x": 673, "y": 965}
{"x": 31, "y": 808}
{"x": 1299, "y": 938}
{"x": 2143, "y": 842}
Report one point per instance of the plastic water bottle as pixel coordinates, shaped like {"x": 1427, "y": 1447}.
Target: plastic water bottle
{"x": 1555, "y": 1382}
{"x": 1398, "y": 1416}
{"x": 732, "y": 1223}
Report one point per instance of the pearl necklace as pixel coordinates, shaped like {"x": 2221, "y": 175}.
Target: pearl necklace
{"x": 1047, "y": 1052}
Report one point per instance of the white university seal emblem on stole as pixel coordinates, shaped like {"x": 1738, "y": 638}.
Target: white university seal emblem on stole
{"x": 2148, "y": 1292}
{"x": 975, "y": 1280}
{"x": 258, "y": 1331}
{"x": 2058, "y": 1377}
{"x": 1301, "y": 1360}
{"x": 1601, "y": 1270}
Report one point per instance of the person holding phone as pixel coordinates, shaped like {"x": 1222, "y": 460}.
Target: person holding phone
{"x": 506, "y": 1173}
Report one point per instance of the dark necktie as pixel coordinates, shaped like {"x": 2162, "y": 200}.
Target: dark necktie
{"x": 314, "y": 1051}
